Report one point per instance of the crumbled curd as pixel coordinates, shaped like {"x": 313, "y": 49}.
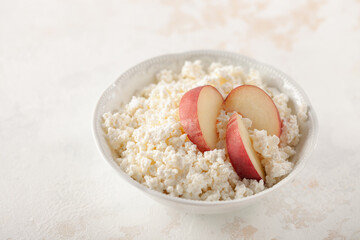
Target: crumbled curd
{"x": 154, "y": 150}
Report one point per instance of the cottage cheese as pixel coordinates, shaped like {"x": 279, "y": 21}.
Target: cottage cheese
{"x": 154, "y": 150}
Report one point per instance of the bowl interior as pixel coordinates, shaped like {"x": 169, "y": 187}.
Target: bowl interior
{"x": 133, "y": 80}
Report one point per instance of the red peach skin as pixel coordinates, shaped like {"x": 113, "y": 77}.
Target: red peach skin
{"x": 253, "y": 103}
{"x": 240, "y": 150}
{"x": 198, "y": 111}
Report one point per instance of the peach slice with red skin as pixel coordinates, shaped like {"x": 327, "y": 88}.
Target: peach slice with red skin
{"x": 198, "y": 111}
{"x": 253, "y": 103}
{"x": 241, "y": 153}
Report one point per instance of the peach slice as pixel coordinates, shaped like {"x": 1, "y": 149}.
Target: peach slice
{"x": 198, "y": 111}
{"x": 241, "y": 153}
{"x": 253, "y": 103}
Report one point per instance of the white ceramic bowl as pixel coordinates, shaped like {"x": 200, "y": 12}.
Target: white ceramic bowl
{"x": 143, "y": 74}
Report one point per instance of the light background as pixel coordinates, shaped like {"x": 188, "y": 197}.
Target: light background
{"x": 56, "y": 57}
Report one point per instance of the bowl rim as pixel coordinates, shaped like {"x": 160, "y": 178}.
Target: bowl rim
{"x": 312, "y": 115}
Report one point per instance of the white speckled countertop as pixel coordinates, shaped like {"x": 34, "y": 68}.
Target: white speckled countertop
{"x": 56, "y": 57}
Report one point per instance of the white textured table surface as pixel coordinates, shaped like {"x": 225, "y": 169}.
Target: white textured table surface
{"x": 56, "y": 57}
